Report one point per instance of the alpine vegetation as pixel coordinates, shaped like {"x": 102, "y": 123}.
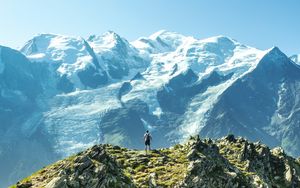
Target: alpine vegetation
{"x": 227, "y": 162}
{"x": 60, "y": 95}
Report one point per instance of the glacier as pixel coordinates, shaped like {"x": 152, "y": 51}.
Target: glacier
{"x": 62, "y": 94}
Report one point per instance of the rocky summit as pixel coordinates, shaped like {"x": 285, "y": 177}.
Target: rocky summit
{"x": 226, "y": 162}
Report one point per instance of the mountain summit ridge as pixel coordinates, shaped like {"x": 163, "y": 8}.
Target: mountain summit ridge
{"x": 226, "y": 162}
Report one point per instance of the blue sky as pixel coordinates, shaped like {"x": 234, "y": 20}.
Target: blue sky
{"x": 258, "y": 23}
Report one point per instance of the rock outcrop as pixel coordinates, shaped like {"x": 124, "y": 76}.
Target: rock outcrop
{"x": 227, "y": 162}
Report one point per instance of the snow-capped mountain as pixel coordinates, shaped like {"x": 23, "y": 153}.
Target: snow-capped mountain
{"x": 262, "y": 105}
{"x": 77, "y": 92}
{"x": 70, "y": 59}
{"x": 296, "y": 58}
{"x": 84, "y": 64}
{"x": 160, "y": 42}
{"x": 118, "y": 56}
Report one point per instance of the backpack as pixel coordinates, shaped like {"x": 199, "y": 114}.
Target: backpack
{"x": 147, "y": 137}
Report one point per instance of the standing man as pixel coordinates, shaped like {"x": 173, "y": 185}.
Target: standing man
{"x": 147, "y": 139}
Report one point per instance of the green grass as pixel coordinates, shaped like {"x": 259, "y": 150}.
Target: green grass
{"x": 170, "y": 165}
{"x": 140, "y": 168}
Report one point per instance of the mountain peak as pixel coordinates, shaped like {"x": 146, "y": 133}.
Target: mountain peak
{"x": 226, "y": 162}
{"x": 43, "y": 36}
{"x": 158, "y": 33}
{"x": 43, "y": 42}
{"x": 273, "y": 60}
{"x": 275, "y": 53}
{"x": 295, "y": 58}
{"x": 112, "y": 33}
{"x": 165, "y": 34}
{"x": 161, "y": 41}
{"x": 107, "y": 40}
{"x": 274, "y": 49}
{"x": 221, "y": 39}
{"x": 113, "y": 36}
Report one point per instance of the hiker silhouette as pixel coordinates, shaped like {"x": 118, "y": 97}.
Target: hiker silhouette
{"x": 147, "y": 139}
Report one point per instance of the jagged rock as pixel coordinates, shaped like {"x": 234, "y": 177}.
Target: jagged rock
{"x": 230, "y": 138}
{"x": 192, "y": 154}
{"x": 152, "y": 180}
{"x": 142, "y": 160}
{"x": 73, "y": 182}
{"x": 83, "y": 164}
{"x": 278, "y": 151}
{"x": 24, "y": 185}
{"x": 116, "y": 147}
{"x": 228, "y": 162}
{"x": 57, "y": 182}
{"x": 288, "y": 174}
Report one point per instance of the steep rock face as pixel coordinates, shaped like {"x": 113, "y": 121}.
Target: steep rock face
{"x": 177, "y": 94}
{"x": 258, "y": 104}
{"x": 20, "y": 91}
{"x": 227, "y": 162}
{"x": 17, "y": 73}
{"x": 19, "y": 88}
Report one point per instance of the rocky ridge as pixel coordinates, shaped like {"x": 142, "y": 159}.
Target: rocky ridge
{"x": 226, "y": 162}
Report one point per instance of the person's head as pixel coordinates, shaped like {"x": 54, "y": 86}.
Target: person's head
{"x": 147, "y": 131}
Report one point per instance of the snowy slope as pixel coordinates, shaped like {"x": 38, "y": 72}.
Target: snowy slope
{"x": 203, "y": 57}
{"x": 70, "y": 53}
{"x": 171, "y": 56}
{"x": 74, "y": 118}
{"x": 220, "y": 54}
{"x": 295, "y": 58}
{"x": 83, "y": 64}
{"x": 106, "y": 89}
{"x": 71, "y": 58}
{"x": 159, "y": 42}
{"x": 118, "y": 56}
{"x": 261, "y": 105}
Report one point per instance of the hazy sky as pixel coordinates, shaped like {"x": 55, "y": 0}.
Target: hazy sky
{"x": 258, "y": 23}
